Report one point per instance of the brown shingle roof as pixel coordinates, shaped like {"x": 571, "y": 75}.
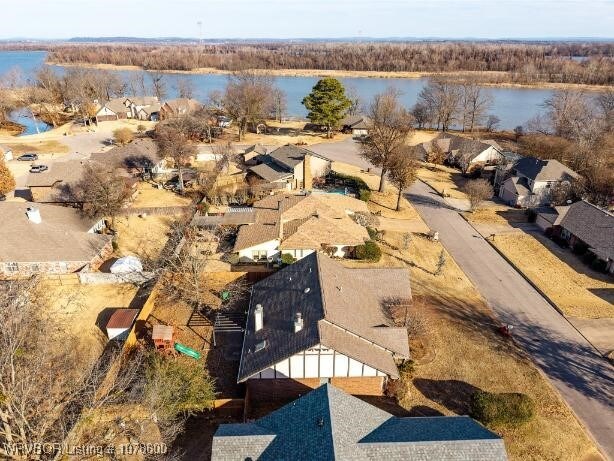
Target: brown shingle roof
{"x": 61, "y": 236}
{"x": 340, "y": 307}
{"x": 141, "y": 151}
{"x": 311, "y": 233}
{"x": 255, "y": 234}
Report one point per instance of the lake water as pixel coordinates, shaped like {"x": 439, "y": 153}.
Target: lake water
{"x": 514, "y": 106}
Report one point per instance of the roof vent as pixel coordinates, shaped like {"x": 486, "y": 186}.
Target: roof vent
{"x": 258, "y": 317}
{"x": 261, "y": 345}
{"x": 307, "y": 290}
{"x": 34, "y": 215}
{"x": 320, "y": 422}
{"x": 298, "y": 322}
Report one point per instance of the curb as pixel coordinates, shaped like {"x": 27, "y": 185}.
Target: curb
{"x": 535, "y": 287}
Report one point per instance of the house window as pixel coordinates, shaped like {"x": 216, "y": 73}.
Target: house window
{"x": 259, "y": 255}
{"x": 12, "y": 267}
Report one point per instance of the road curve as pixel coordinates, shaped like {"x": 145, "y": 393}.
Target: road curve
{"x": 581, "y": 375}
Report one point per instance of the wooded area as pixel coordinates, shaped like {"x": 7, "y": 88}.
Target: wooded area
{"x": 558, "y": 62}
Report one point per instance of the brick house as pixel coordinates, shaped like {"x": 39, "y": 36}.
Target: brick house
{"x": 299, "y": 224}
{"x": 179, "y": 107}
{"x": 48, "y": 239}
{"x": 328, "y": 424}
{"x": 316, "y": 321}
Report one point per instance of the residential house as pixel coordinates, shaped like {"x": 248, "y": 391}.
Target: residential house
{"x": 114, "y": 109}
{"x": 317, "y": 321}
{"x": 136, "y": 104}
{"x": 466, "y": 154}
{"x": 179, "y": 107}
{"x": 290, "y": 167}
{"x": 48, "y": 239}
{"x": 530, "y": 180}
{"x": 504, "y": 168}
{"x": 140, "y": 108}
{"x": 53, "y": 185}
{"x": 328, "y": 424}
{"x": 137, "y": 158}
{"x": 252, "y": 154}
{"x": 585, "y": 227}
{"x": 299, "y": 225}
{"x": 357, "y": 125}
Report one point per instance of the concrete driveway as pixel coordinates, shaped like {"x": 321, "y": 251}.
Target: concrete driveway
{"x": 582, "y": 376}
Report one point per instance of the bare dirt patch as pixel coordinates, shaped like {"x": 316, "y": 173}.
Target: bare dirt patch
{"x": 576, "y": 289}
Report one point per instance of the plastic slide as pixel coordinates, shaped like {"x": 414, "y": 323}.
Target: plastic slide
{"x": 187, "y": 351}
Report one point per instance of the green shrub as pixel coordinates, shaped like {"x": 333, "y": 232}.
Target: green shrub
{"x": 372, "y": 233}
{"x": 364, "y": 194}
{"x": 287, "y": 259}
{"x": 407, "y": 367}
{"x": 115, "y": 245}
{"x": 506, "y": 408}
{"x": 370, "y": 251}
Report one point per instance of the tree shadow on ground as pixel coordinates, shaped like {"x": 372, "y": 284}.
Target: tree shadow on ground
{"x": 453, "y": 394}
{"x": 424, "y": 410}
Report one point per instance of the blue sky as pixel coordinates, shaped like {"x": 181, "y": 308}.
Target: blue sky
{"x": 308, "y": 18}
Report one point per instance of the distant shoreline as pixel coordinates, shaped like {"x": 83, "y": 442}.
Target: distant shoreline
{"x": 352, "y": 74}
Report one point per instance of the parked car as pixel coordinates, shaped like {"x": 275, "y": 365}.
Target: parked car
{"x": 224, "y": 122}
{"x": 28, "y": 157}
{"x": 38, "y": 168}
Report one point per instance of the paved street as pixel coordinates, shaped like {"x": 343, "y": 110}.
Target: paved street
{"x": 584, "y": 379}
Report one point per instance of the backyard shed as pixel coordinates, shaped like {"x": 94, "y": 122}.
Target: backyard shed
{"x": 120, "y": 323}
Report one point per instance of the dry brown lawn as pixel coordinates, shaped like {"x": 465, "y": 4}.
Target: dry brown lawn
{"x": 459, "y": 351}
{"x": 562, "y": 276}
{"x": 385, "y": 203}
{"x": 150, "y": 196}
{"x": 444, "y": 180}
{"x": 283, "y": 138}
{"x": 145, "y": 237}
{"x": 496, "y": 213}
{"x": 43, "y": 146}
{"x": 81, "y": 307}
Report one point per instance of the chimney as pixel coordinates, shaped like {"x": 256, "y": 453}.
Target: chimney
{"x": 307, "y": 177}
{"x": 34, "y": 215}
{"x": 298, "y": 322}
{"x": 258, "y": 317}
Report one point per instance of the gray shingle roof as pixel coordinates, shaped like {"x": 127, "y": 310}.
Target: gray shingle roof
{"x": 328, "y": 424}
{"x": 271, "y": 171}
{"x": 61, "y": 236}
{"x": 339, "y": 301}
{"x": 593, "y": 226}
{"x": 291, "y": 155}
{"x": 544, "y": 170}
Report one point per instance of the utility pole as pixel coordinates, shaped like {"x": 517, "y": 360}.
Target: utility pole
{"x": 200, "y": 32}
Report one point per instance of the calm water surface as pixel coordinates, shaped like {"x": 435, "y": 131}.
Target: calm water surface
{"x": 514, "y": 106}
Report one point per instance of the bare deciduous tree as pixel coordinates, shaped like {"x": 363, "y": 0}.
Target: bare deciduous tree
{"x": 442, "y": 99}
{"x": 158, "y": 84}
{"x": 247, "y": 98}
{"x": 389, "y": 126}
{"x": 475, "y": 103}
{"x": 175, "y": 144}
{"x": 402, "y": 171}
{"x": 477, "y": 191}
{"x": 185, "y": 87}
{"x": 101, "y": 191}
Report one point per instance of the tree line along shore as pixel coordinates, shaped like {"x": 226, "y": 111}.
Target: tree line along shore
{"x": 588, "y": 63}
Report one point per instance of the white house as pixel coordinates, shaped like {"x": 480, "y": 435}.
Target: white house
{"x": 531, "y": 179}
{"x": 316, "y": 319}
